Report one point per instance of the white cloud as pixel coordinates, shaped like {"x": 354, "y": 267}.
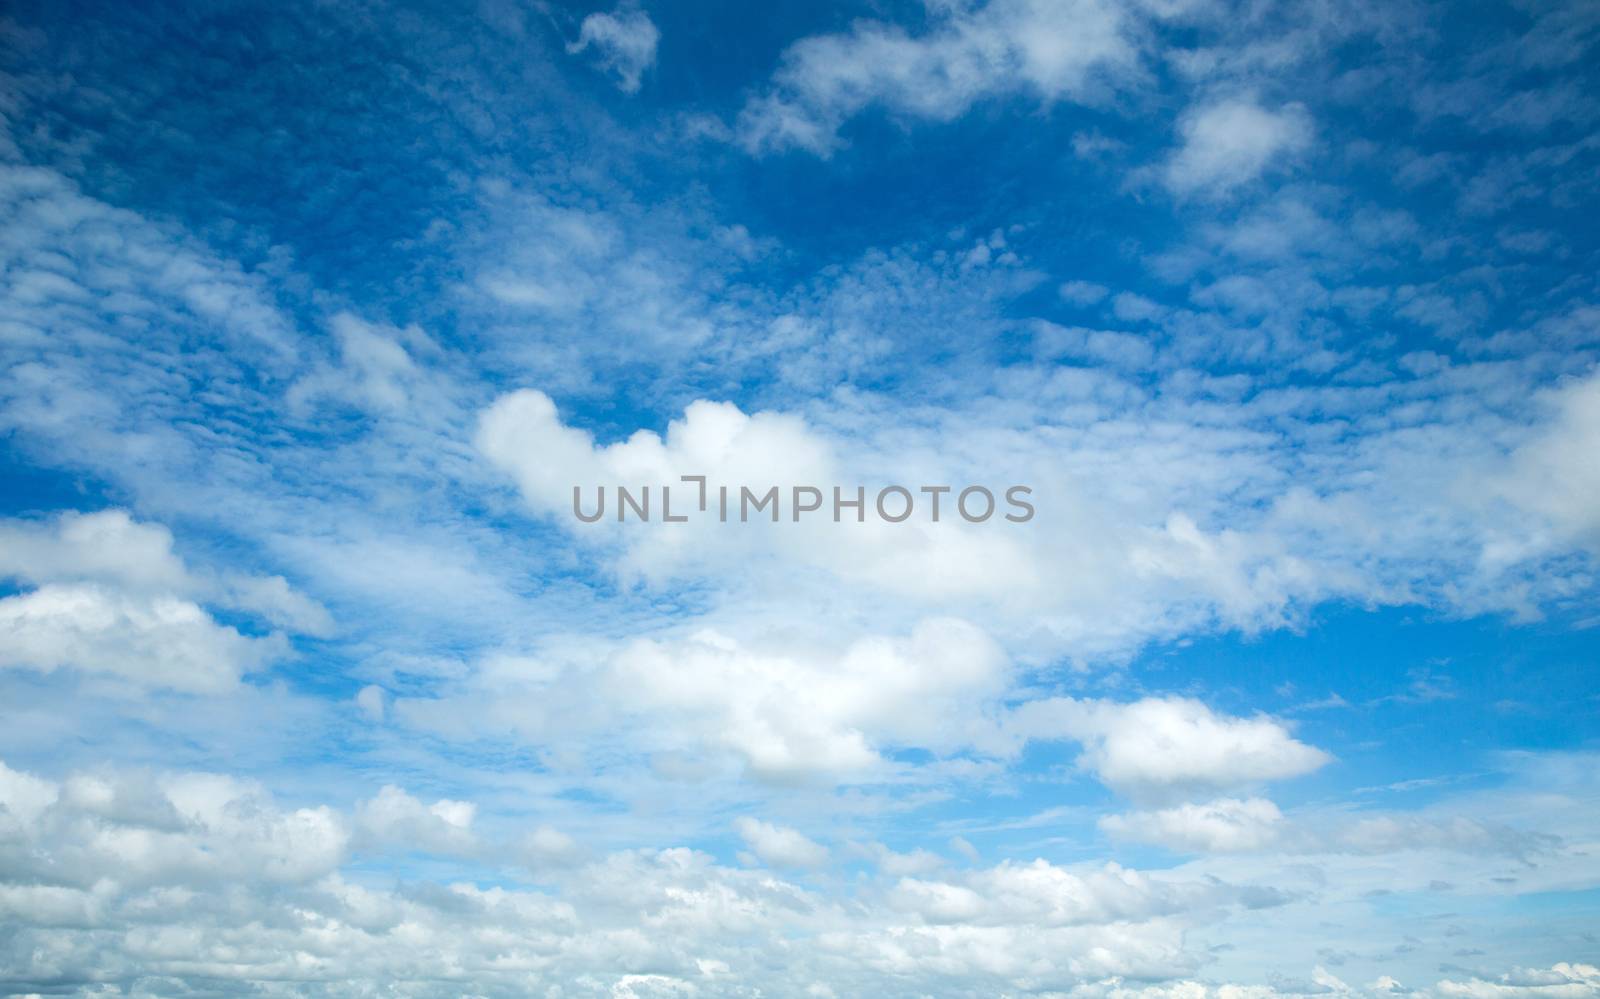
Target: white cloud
{"x": 914, "y": 863}
{"x": 394, "y": 816}
{"x": 1184, "y": 502}
{"x": 100, "y": 832}
{"x": 1220, "y": 826}
{"x": 624, "y": 42}
{"x": 112, "y": 597}
{"x": 197, "y": 877}
{"x": 1555, "y": 473}
{"x": 1086, "y": 572}
{"x": 796, "y": 714}
{"x": 1229, "y": 142}
{"x": 107, "y": 546}
{"x": 782, "y": 711}
{"x": 1160, "y": 746}
{"x": 1069, "y": 50}
{"x": 780, "y": 846}
{"x": 110, "y": 548}
{"x": 377, "y": 371}
{"x": 801, "y": 711}
{"x": 151, "y": 641}
{"x": 1560, "y": 981}
{"x": 24, "y": 795}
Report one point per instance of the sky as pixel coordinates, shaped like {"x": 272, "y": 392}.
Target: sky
{"x": 313, "y": 315}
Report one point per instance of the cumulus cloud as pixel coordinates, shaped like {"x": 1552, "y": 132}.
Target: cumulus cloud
{"x": 1161, "y": 746}
{"x": 1232, "y": 141}
{"x": 113, "y": 598}
{"x": 1084, "y": 575}
{"x": 1219, "y": 452}
{"x": 782, "y": 711}
{"x": 1083, "y": 293}
{"x": 157, "y": 642}
{"x": 797, "y": 712}
{"x": 523, "y": 434}
{"x": 393, "y": 816}
{"x": 623, "y": 42}
{"x": 204, "y": 878}
{"x": 110, "y": 548}
{"x": 94, "y": 832}
{"x": 1131, "y": 539}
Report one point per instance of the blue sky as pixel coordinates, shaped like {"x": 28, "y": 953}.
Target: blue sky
{"x": 313, "y": 315}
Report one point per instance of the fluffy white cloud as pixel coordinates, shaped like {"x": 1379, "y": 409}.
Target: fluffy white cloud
{"x": 112, "y": 597}
{"x": 1089, "y": 573}
{"x": 1147, "y": 525}
{"x": 782, "y": 711}
{"x": 523, "y": 434}
{"x": 640, "y": 922}
{"x": 151, "y": 641}
{"x": 108, "y": 546}
{"x": 1230, "y": 142}
{"x": 1183, "y": 502}
{"x": 194, "y": 877}
{"x": 799, "y": 712}
{"x": 1161, "y": 746}
{"x": 99, "y": 833}
{"x": 394, "y": 816}
{"x": 795, "y": 714}
{"x": 624, "y": 42}
{"x": 24, "y": 795}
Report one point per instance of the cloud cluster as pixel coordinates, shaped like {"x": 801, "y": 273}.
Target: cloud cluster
{"x": 715, "y": 760}
{"x": 111, "y": 597}
{"x": 203, "y": 877}
{"x": 137, "y": 883}
{"x": 1131, "y": 541}
{"x": 697, "y": 704}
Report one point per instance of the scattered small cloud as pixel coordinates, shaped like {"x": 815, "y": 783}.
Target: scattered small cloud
{"x": 622, "y": 42}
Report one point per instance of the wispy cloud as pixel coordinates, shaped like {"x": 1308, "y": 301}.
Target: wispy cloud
{"x": 623, "y": 43}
